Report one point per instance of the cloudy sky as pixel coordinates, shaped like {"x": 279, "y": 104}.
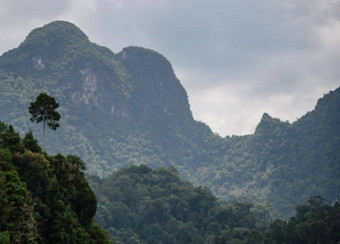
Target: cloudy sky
{"x": 236, "y": 59}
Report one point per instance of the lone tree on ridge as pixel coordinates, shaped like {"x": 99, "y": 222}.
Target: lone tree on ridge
{"x": 43, "y": 109}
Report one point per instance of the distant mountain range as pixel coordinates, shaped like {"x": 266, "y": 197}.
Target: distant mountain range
{"x": 129, "y": 108}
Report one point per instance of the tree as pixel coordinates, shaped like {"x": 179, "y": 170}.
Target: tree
{"x": 43, "y": 109}
{"x": 31, "y": 143}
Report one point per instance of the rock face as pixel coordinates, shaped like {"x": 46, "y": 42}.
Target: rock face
{"x": 128, "y": 84}
{"x": 107, "y": 101}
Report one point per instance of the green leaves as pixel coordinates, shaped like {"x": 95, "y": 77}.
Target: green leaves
{"x": 138, "y": 204}
{"x": 43, "y": 109}
{"x": 314, "y": 222}
{"x": 31, "y": 143}
{"x": 44, "y": 198}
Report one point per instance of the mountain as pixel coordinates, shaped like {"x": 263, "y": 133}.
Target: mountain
{"x": 284, "y": 163}
{"x": 114, "y": 105}
{"x": 129, "y": 108}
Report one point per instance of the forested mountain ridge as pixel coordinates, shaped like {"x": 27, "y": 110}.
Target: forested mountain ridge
{"x": 285, "y": 163}
{"x": 129, "y": 108}
{"x": 140, "y": 205}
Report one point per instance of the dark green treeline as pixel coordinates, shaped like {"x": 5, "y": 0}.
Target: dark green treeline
{"x": 43, "y": 198}
{"x": 140, "y": 205}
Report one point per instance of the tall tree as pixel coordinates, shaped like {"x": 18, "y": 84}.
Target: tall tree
{"x": 43, "y": 110}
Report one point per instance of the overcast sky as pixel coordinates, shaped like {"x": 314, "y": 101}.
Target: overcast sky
{"x": 236, "y": 59}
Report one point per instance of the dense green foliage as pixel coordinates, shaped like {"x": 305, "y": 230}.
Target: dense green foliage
{"x": 43, "y": 199}
{"x": 140, "y": 205}
{"x": 313, "y": 222}
{"x": 129, "y": 108}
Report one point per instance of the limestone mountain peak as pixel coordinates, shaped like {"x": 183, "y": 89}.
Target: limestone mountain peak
{"x": 56, "y": 33}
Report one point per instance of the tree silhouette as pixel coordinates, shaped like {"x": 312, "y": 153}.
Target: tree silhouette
{"x": 43, "y": 109}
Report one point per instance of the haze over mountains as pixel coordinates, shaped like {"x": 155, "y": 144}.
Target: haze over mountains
{"x": 129, "y": 108}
